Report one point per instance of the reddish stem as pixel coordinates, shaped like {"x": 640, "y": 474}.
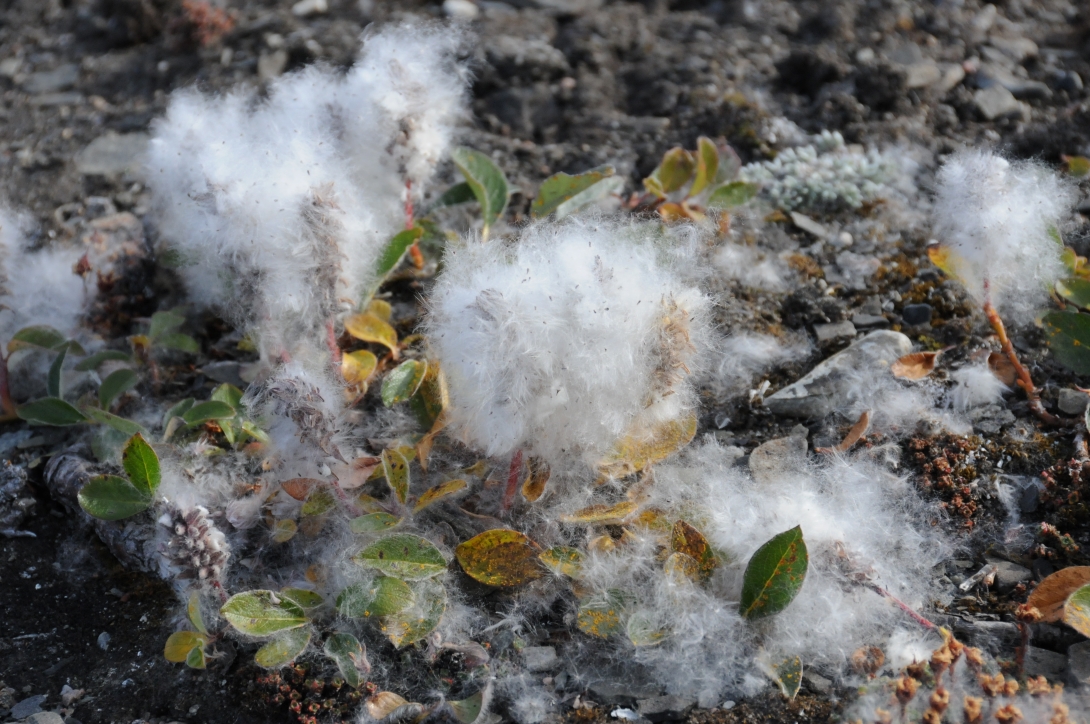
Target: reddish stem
{"x": 1020, "y": 652}
{"x": 408, "y": 204}
{"x": 1025, "y": 381}
{"x": 343, "y": 497}
{"x": 512, "y": 480}
{"x": 219, "y": 590}
{"x": 903, "y": 606}
{"x": 7, "y": 405}
{"x": 331, "y": 342}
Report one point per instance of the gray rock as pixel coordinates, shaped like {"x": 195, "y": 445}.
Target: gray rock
{"x": 225, "y": 371}
{"x": 992, "y": 636}
{"x": 817, "y": 683}
{"x": 835, "y": 332}
{"x": 1022, "y": 88}
{"x": 540, "y": 658}
{"x": 566, "y": 7}
{"x": 808, "y": 225}
{"x": 113, "y": 154}
{"x": 28, "y": 706}
{"x": 461, "y": 9}
{"x": 771, "y": 460}
{"x": 666, "y": 708}
{"x": 1017, "y": 49}
{"x": 9, "y": 67}
{"x": 922, "y": 74}
{"x": 44, "y": 717}
{"x": 1070, "y": 82}
{"x": 67, "y": 98}
{"x": 306, "y": 8}
{"x": 990, "y": 419}
{"x": 822, "y": 389}
{"x": 611, "y": 693}
{"x": 914, "y": 314}
{"x": 271, "y": 65}
{"x": 1072, "y": 402}
{"x": 1008, "y": 575}
{"x": 1042, "y": 662}
{"x": 952, "y": 74}
{"x": 533, "y": 57}
{"x": 997, "y": 102}
{"x": 869, "y": 321}
{"x": 52, "y": 81}
{"x": 1078, "y": 664}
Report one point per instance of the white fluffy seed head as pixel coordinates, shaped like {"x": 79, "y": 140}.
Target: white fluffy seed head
{"x": 974, "y": 386}
{"x": 1000, "y": 218}
{"x": 564, "y": 340}
{"x": 279, "y": 208}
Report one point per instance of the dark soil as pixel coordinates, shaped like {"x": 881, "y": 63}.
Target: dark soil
{"x": 555, "y": 90}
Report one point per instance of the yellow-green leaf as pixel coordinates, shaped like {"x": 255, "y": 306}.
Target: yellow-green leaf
{"x": 284, "y": 530}
{"x": 419, "y": 619}
{"x": 500, "y": 557}
{"x": 731, "y": 195}
{"x": 486, "y": 180}
{"x": 383, "y": 596}
{"x": 707, "y": 165}
{"x": 283, "y": 649}
{"x": 602, "y": 514}
{"x": 195, "y": 660}
{"x": 646, "y": 446}
{"x": 262, "y": 613}
{"x": 180, "y": 643}
{"x": 373, "y": 522}
{"x": 947, "y": 260}
{"x": 383, "y": 704}
{"x": 440, "y": 492}
{"x": 320, "y": 501}
{"x": 396, "y": 469}
{"x": 602, "y": 615}
{"x": 193, "y": 611}
{"x": 537, "y": 476}
{"x": 357, "y": 367}
{"x": 1077, "y": 166}
{"x": 676, "y": 169}
{"x": 404, "y": 556}
{"x": 367, "y": 327}
{"x": 563, "y": 560}
{"x": 349, "y": 655}
{"x": 403, "y": 381}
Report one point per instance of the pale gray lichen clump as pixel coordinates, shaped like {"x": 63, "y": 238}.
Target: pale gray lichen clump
{"x": 823, "y": 176}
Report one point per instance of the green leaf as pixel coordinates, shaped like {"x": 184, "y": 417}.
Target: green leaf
{"x": 1077, "y": 166}
{"x": 193, "y": 611}
{"x": 178, "y": 410}
{"x": 403, "y": 381}
{"x": 562, "y": 560}
{"x": 106, "y": 355}
{"x": 208, "y": 410}
{"x": 419, "y": 619}
{"x": 346, "y": 651}
{"x": 602, "y": 615}
{"x": 1075, "y": 290}
{"x": 142, "y": 465}
{"x": 320, "y": 501}
{"x": 164, "y": 323}
{"x": 774, "y": 575}
{"x": 283, "y": 649}
{"x": 51, "y": 411}
{"x": 40, "y": 336}
{"x": 180, "y": 644}
{"x": 128, "y": 427}
{"x": 486, "y": 180}
{"x": 230, "y": 394}
{"x": 676, "y": 169}
{"x": 728, "y": 196}
{"x": 308, "y": 600}
{"x": 112, "y": 498}
{"x": 1069, "y": 339}
{"x": 383, "y": 596}
{"x": 1076, "y": 613}
{"x": 395, "y": 250}
{"x": 116, "y": 383}
{"x": 180, "y": 342}
{"x": 561, "y": 188}
{"x": 707, "y": 165}
{"x": 468, "y": 710}
{"x": 403, "y": 556}
{"x": 262, "y": 613}
{"x": 789, "y": 676}
{"x": 53, "y": 380}
{"x": 195, "y": 660}
{"x": 460, "y": 193}
{"x": 373, "y": 522}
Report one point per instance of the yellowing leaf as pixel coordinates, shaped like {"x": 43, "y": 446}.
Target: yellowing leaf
{"x": 320, "y": 501}
{"x": 1051, "y": 593}
{"x": 1077, "y": 166}
{"x": 438, "y": 493}
{"x": 646, "y": 446}
{"x": 688, "y": 540}
{"x": 537, "y": 475}
{"x": 601, "y": 615}
{"x": 403, "y": 381}
{"x": 383, "y": 704}
{"x": 396, "y": 469}
{"x": 671, "y": 212}
{"x": 404, "y": 556}
{"x": 383, "y": 596}
{"x": 180, "y": 644}
{"x": 680, "y": 567}
{"x": 642, "y": 630}
{"x": 602, "y": 513}
{"x": 1077, "y": 611}
{"x": 947, "y": 260}
{"x": 366, "y": 327}
{"x": 357, "y": 367}
{"x": 676, "y": 169}
{"x": 562, "y": 560}
{"x": 500, "y": 558}
{"x": 283, "y": 649}
{"x": 380, "y": 308}
{"x": 707, "y": 165}
{"x": 915, "y": 366}
{"x": 420, "y": 619}
{"x": 284, "y": 530}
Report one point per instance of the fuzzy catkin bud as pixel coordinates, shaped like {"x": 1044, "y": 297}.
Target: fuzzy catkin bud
{"x": 973, "y": 710}
{"x": 1009, "y": 714}
{"x": 195, "y": 547}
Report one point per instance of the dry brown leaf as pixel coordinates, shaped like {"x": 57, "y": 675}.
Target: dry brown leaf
{"x": 382, "y": 704}
{"x": 1051, "y": 593}
{"x": 355, "y": 473}
{"x": 299, "y": 488}
{"x": 859, "y": 429}
{"x": 914, "y": 366}
{"x": 537, "y": 476}
{"x": 688, "y": 540}
{"x": 647, "y": 446}
{"x": 1002, "y": 368}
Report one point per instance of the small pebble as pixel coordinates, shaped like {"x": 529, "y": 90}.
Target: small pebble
{"x": 104, "y": 641}
{"x": 914, "y": 314}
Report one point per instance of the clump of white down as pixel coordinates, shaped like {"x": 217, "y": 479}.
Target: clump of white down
{"x": 999, "y": 218}
{"x": 278, "y": 208}
{"x": 975, "y": 385}
{"x": 561, "y": 342}
{"x": 36, "y": 287}
{"x": 864, "y": 527}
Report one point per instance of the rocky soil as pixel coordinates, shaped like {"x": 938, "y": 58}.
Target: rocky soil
{"x": 565, "y": 85}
